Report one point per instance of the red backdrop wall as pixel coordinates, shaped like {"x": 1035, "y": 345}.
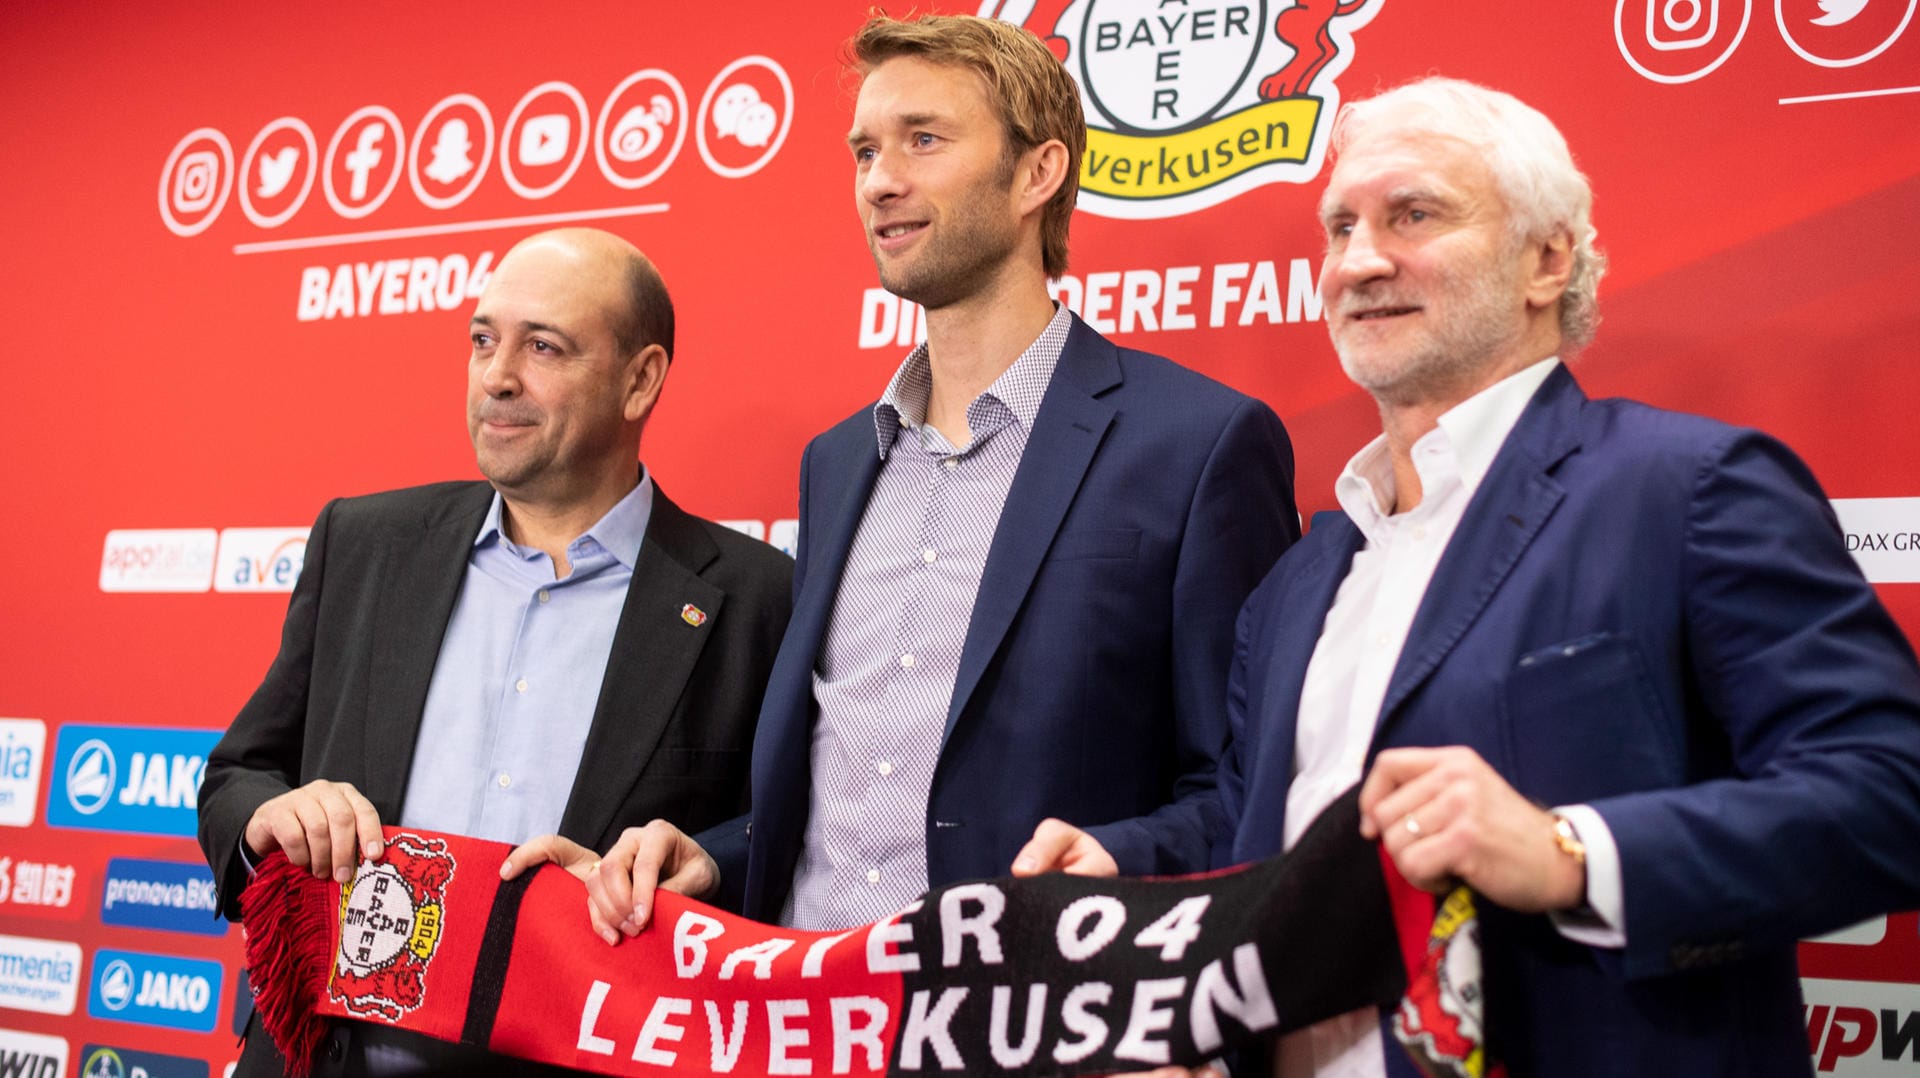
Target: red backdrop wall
{"x": 240, "y": 247}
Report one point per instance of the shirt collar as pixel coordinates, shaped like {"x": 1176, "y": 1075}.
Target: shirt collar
{"x": 1020, "y": 387}
{"x": 619, "y": 532}
{"x": 1468, "y": 436}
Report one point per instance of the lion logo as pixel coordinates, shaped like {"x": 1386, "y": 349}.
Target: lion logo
{"x": 1192, "y": 102}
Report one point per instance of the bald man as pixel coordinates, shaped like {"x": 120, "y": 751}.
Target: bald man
{"x": 453, "y": 652}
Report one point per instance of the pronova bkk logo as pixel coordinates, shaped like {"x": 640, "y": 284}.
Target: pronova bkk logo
{"x": 172, "y": 896}
{"x": 140, "y": 779}
{"x": 155, "y": 990}
{"x": 1191, "y": 104}
{"x": 23, "y": 743}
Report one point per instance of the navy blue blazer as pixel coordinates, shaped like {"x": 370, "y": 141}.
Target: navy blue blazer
{"x": 1092, "y": 684}
{"x": 1653, "y": 614}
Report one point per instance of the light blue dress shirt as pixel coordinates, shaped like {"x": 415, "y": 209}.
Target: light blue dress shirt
{"x": 518, "y": 677}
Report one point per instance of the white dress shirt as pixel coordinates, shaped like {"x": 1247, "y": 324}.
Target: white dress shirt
{"x": 1360, "y": 645}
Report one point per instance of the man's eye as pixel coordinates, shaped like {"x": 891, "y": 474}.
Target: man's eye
{"x": 1417, "y": 216}
{"x": 481, "y": 340}
{"x": 863, "y": 154}
{"x": 543, "y": 347}
{"x": 923, "y": 140}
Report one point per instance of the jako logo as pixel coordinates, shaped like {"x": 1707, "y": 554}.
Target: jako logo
{"x": 103, "y": 1061}
{"x": 145, "y": 780}
{"x": 1189, "y": 106}
{"x": 173, "y": 896}
{"x": 22, "y": 741}
{"x": 155, "y": 990}
{"x": 32, "y": 1055}
{"x": 39, "y": 975}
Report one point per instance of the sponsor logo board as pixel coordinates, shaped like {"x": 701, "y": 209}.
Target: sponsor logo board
{"x": 139, "y": 779}
{"x": 39, "y": 975}
{"x": 23, "y": 744}
{"x": 171, "y": 896}
{"x": 155, "y": 990}
{"x": 32, "y": 1055}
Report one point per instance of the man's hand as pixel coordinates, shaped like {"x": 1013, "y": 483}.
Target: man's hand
{"x": 1057, "y": 846}
{"x": 325, "y": 827}
{"x": 620, "y": 885}
{"x": 1445, "y": 817}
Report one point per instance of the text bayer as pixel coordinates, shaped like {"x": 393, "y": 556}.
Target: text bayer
{"x": 395, "y": 286}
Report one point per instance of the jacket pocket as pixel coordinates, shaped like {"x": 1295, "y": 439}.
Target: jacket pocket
{"x": 1583, "y": 722}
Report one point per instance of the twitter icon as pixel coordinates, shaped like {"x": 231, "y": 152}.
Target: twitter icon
{"x": 276, "y": 171}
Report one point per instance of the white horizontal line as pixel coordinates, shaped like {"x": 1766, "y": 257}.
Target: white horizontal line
{"x": 345, "y": 238}
{"x": 1889, "y": 92}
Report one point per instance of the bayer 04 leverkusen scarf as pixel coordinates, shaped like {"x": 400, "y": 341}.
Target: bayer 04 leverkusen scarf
{"x": 1046, "y": 975}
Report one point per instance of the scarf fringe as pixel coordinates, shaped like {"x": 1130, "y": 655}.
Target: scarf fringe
{"x": 289, "y": 919}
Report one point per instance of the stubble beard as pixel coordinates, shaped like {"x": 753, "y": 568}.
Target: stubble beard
{"x": 1469, "y": 325}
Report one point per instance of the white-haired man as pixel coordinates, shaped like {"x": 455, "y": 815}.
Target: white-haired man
{"x": 1532, "y": 599}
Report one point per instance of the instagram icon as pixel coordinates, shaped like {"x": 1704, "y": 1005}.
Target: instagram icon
{"x": 1675, "y": 41}
{"x": 195, "y": 181}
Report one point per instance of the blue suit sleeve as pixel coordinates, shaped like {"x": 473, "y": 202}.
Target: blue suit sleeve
{"x": 1240, "y": 521}
{"x": 1802, "y": 679}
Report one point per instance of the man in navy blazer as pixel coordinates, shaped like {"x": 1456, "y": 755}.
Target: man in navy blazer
{"x": 1017, "y": 573}
{"x": 1608, "y": 665}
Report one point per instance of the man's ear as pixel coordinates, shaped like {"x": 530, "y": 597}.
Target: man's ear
{"x": 1042, "y": 170}
{"x": 646, "y": 374}
{"x": 1551, "y": 269}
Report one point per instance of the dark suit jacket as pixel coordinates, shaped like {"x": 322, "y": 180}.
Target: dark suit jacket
{"x": 1148, "y": 502}
{"x": 670, "y": 736}
{"x": 1653, "y": 614}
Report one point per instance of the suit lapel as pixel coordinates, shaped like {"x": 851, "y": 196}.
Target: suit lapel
{"x": 1067, "y": 431}
{"x": 654, "y": 651}
{"x": 424, "y": 571}
{"x": 848, "y": 474}
{"x": 1513, "y": 503}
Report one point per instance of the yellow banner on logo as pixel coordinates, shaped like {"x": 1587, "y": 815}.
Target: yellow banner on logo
{"x": 1162, "y": 166}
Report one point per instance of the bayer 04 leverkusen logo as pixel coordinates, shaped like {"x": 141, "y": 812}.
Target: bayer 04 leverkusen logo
{"x": 390, "y": 920}
{"x": 1192, "y": 102}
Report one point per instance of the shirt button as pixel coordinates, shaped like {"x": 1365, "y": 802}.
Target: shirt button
{"x": 950, "y": 463}
{"x": 885, "y": 767}
{"x": 521, "y": 685}
{"x": 1419, "y": 533}
{"x": 506, "y": 780}
{"x": 544, "y": 596}
{"x": 1381, "y": 640}
{"x": 906, "y": 661}
{"x": 904, "y": 423}
{"x": 873, "y": 875}
{"x": 928, "y": 556}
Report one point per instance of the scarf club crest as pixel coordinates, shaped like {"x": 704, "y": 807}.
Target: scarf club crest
{"x": 390, "y": 923}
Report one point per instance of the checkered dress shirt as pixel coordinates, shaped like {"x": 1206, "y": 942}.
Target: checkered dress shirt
{"x": 885, "y": 675}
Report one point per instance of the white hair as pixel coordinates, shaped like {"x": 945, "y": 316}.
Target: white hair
{"x": 1544, "y": 190}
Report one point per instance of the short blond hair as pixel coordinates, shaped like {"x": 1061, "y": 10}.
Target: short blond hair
{"x": 1035, "y": 97}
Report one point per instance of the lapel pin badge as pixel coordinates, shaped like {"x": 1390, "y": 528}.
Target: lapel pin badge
{"x": 693, "y": 615}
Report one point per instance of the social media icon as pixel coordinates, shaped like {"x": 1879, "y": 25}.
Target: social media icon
{"x": 360, "y": 163}
{"x": 745, "y": 115}
{"x": 195, "y": 181}
{"x": 451, "y": 152}
{"x": 275, "y": 188}
{"x": 276, "y": 171}
{"x": 641, "y": 130}
{"x": 363, "y": 162}
{"x": 1839, "y": 12}
{"x": 1677, "y": 41}
{"x": 649, "y": 118}
{"x": 544, "y": 139}
{"x": 547, "y": 131}
{"x": 1845, "y": 33}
